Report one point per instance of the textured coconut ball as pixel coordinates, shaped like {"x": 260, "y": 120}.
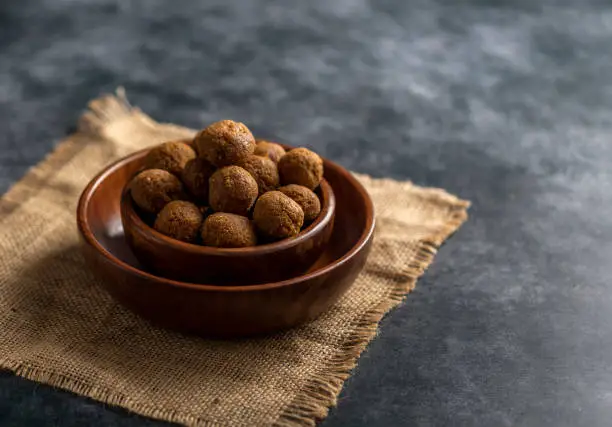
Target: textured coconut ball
{"x": 264, "y": 171}
{"x": 232, "y": 189}
{"x": 269, "y": 149}
{"x": 277, "y": 216}
{"x": 301, "y": 166}
{"x": 226, "y": 230}
{"x": 225, "y": 143}
{"x": 153, "y": 189}
{"x": 170, "y": 156}
{"x": 180, "y": 220}
{"x": 195, "y": 176}
{"x": 306, "y": 198}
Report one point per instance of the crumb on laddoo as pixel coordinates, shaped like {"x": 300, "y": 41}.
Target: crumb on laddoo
{"x": 226, "y": 230}
{"x": 232, "y": 190}
{"x": 277, "y": 216}
{"x": 225, "y": 143}
{"x": 301, "y": 166}
{"x": 153, "y": 189}
{"x": 263, "y": 170}
{"x": 180, "y": 220}
{"x": 268, "y": 149}
{"x": 170, "y": 156}
{"x": 306, "y": 198}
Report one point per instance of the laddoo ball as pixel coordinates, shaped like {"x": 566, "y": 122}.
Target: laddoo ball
{"x": 268, "y": 149}
{"x": 277, "y": 216}
{"x": 180, "y": 220}
{"x": 233, "y": 190}
{"x": 170, "y": 156}
{"x": 225, "y": 143}
{"x": 153, "y": 189}
{"x": 301, "y": 166}
{"x": 226, "y": 230}
{"x": 195, "y": 176}
{"x": 306, "y": 198}
{"x": 264, "y": 171}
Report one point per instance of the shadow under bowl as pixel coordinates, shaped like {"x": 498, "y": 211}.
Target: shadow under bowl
{"x": 223, "y": 311}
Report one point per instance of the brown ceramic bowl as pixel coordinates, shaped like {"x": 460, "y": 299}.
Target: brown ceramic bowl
{"x": 223, "y": 310}
{"x": 271, "y": 262}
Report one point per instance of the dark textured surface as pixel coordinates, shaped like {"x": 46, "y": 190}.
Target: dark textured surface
{"x": 508, "y": 104}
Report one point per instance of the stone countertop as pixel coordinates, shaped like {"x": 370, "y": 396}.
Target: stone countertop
{"x": 506, "y": 103}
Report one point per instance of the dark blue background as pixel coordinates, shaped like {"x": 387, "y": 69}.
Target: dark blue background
{"x": 506, "y": 103}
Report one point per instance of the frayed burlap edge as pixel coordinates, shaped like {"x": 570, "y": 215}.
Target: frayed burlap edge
{"x": 320, "y": 393}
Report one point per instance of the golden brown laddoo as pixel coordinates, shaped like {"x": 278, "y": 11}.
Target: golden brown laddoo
{"x": 153, "y": 189}
{"x": 263, "y": 170}
{"x": 269, "y": 149}
{"x": 301, "y": 166}
{"x": 170, "y": 156}
{"x": 233, "y": 190}
{"x": 225, "y": 143}
{"x": 277, "y": 216}
{"x": 180, "y": 220}
{"x": 306, "y": 198}
{"x": 226, "y": 230}
{"x": 195, "y": 176}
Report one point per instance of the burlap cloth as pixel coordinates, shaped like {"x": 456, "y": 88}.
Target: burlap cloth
{"x": 58, "y": 327}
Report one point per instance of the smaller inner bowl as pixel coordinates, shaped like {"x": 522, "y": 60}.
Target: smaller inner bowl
{"x": 269, "y": 262}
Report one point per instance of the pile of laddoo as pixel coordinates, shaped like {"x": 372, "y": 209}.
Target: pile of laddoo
{"x": 226, "y": 189}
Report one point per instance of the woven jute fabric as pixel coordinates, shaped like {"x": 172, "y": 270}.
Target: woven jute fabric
{"x": 58, "y": 327}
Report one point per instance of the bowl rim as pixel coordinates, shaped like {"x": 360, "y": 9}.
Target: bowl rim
{"x": 328, "y": 208}
{"x": 89, "y": 238}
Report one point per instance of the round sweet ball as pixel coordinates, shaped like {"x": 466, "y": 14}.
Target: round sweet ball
{"x": 233, "y": 190}
{"x": 264, "y": 171}
{"x": 180, "y": 220}
{"x": 195, "y": 176}
{"x": 306, "y": 198}
{"x": 170, "y": 156}
{"x": 153, "y": 189}
{"x": 268, "y": 149}
{"x": 226, "y": 230}
{"x": 277, "y": 216}
{"x": 225, "y": 143}
{"x": 301, "y": 166}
